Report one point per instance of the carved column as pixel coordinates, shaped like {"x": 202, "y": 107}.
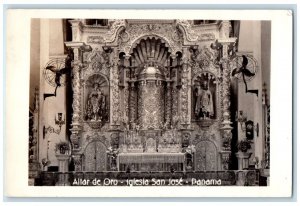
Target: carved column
{"x": 114, "y": 87}
{"x": 225, "y": 41}
{"x": 169, "y": 103}
{"x": 76, "y": 29}
{"x": 132, "y": 102}
{"x": 35, "y": 127}
{"x": 34, "y": 165}
{"x": 77, "y": 162}
{"x": 76, "y": 117}
{"x": 185, "y": 115}
{"x": 78, "y": 49}
{"x": 226, "y": 124}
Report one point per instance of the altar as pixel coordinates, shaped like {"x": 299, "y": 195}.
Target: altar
{"x": 150, "y": 98}
{"x": 137, "y": 98}
{"x": 151, "y": 161}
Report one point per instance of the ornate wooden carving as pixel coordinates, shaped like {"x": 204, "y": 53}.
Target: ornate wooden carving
{"x": 151, "y": 70}
{"x": 205, "y": 156}
{"x": 95, "y": 157}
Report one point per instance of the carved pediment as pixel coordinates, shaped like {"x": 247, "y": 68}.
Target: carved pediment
{"x": 202, "y": 59}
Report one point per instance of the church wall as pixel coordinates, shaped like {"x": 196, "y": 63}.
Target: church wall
{"x": 51, "y": 47}
{"x": 34, "y": 59}
{"x": 266, "y": 54}
{"x": 250, "y": 41}
{"x": 44, "y": 57}
{"x": 56, "y": 39}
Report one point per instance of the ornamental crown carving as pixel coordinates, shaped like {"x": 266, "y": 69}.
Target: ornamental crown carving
{"x": 98, "y": 62}
{"x": 115, "y": 27}
{"x": 134, "y": 33}
{"x": 186, "y": 28}
{"x": 202, "y": 58}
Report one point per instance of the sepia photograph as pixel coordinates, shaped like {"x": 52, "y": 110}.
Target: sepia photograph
{"x": 149, "y": 102}
{"x": 140, "y": 103}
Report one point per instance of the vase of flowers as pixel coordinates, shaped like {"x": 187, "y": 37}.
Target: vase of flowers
{"x": 113, "y": 154}
{"x": 62, "y": 147}
{"x": 244, "y": 145}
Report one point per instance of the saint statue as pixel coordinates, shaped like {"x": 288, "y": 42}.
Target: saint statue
{"x": 204, "y": 108}
{"x": 96, "y": 107}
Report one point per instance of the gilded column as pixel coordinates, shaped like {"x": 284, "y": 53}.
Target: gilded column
{"x": 78, "y": 49}
{"x": 226, "y": 128}
{"x": 77, "y": 162}
{"x": 226, "y": 123}
{"x": 114, "y": 86}
{"x": 185, "y": 117}
{"x": 76, "y": 117}
{"x": 132, "y": 102}
{"x": 168, "y": 109}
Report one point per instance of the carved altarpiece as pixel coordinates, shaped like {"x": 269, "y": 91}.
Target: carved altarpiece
{"x": 148, "y": 72}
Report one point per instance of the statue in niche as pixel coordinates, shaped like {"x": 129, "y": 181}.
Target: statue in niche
{"x": 204, "y": 108}
{"x": 96, "y": 106}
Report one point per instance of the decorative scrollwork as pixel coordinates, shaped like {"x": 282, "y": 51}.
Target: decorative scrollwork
{"x": 115, "y": 28}
{"x": 190, "y": 35}
{"x": 136, "y": 32}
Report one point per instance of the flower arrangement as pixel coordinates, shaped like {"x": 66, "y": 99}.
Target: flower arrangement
{"x": 62, "y": 147}
{"x": 112, "y": 152}
{"x": 244, "y": 145}
{"x": 190, "y": 149}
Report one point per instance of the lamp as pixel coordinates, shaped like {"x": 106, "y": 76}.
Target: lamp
{"x": 59, "y": 120}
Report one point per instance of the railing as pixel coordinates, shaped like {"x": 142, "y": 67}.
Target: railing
{"x": 114, "y": 178}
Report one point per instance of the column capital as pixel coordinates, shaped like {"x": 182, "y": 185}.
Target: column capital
{"x": 78, "y": 45}
{"x": 227, "y": 41}
{"x": 76, "y": 22}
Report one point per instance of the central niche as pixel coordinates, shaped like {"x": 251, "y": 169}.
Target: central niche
{"x": 151, "y": 97}
{"x": 149, "y": 71}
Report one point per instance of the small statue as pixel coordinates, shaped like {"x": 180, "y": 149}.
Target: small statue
{"x": 96, "y": 106}
{"x": 204, "y": 108}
